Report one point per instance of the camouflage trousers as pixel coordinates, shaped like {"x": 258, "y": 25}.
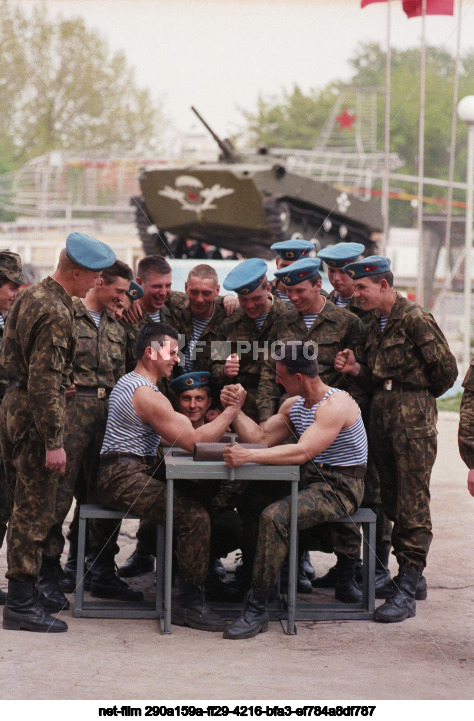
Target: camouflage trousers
{"x": 321, "y": 501}
{"x": 84, "y": 430}
{"x": 402, "y": 435}
{"x": 31, "y": 486}
{"x": 5, "y": 505}
{"x": 137, "y": 484}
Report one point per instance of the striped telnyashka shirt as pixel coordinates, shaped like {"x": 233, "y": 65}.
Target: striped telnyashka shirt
{"x": 125, "y": 431}
{"x": 350, "y": 446}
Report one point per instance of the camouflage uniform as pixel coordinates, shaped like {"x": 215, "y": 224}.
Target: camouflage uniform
{"x": 372, "y": 498}
{"x": 137, "y": 484}
{"x": 409, "y": 364}
{"x": 239, "y": 327}
{"x": 99, "y": 363}
{"x": 466, "y": 419}
{"x": 5, "y": 505}
{"x": 333, "y": 330}
{"x": 37, "y": 356}
{"x": 317, "y": 504}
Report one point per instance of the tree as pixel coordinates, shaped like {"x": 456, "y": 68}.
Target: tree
{"x": 295, "y": 118}
{"x": 61, "y": 89}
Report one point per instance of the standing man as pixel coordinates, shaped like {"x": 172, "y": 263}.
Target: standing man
{"x": 466, "y": 426}
{"x": 409, "y": 364}
{"x": 288, "y": 252}
{"x": 132, "y": 472}
{"x": 332, "y": 453}
{"x": 337, "y": 257}
{"x": 38, "y": 358}
{"x": 99, "y": 363}
{"x": 11, "y": 278}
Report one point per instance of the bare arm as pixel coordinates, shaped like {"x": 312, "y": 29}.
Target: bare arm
{"x": 276, "y": 430}
{"x": 154, "y": 408}
{"x": 337, "y": 412}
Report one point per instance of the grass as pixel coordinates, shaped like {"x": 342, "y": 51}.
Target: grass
{"x": 450, "y": 404}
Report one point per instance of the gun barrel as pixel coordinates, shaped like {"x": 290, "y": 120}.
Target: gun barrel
{"x": 225, "y": 147}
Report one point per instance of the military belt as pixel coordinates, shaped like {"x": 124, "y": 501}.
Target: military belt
{"x": 391, "y": 385}
{"x": 117, "y": 456}
{"x": 351, "y": 471}
{"x": 89, "y": 392}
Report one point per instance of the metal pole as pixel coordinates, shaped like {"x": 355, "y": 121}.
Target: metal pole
{"x": 468, "y": 245}
{"x": 385, "y": 180}
{"x": 420, "y": 288}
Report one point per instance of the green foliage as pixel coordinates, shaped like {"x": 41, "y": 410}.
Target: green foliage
{"x": 450, "y": 404}
{"x": 61, "y": 89}
{"x": 295, "y": 119}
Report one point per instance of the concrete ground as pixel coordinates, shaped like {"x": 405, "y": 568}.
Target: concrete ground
{"x": 428, "y": 657}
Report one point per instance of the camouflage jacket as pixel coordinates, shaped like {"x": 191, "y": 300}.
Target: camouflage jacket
{"x": 211, "y": 333}
{"x": 38, "y": 352}
{"x": 412, "y": 350}
{"x": 100, "y": 352}
{"x": 236, "y": 332}
{"x": 3, "y": 376}
{"x": 333, "y": 330}
{"x": 466, "y": 419}
{"x": 355, "y": 307}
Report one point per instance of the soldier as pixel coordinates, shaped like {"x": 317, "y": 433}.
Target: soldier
{"x": 132, "y": 472}
{"x": 332, "y": 328}
{"x": 244, "y": 334}
{"x": 466, "y": 426}
{"x": 99, "y": 363}
{"x": 409, "y": 364}
{"x": 336, "y": 258}
{"x": 288, "y": 252}
{"x": 332, "y": 453}
{"x": 38, "y": 357}
{"x": 11, "y": 278}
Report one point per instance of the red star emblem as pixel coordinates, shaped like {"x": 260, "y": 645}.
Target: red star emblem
{"x": 345, "y": 120}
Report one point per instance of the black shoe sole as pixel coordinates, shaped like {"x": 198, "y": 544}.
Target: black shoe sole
{"x": 19, "y": 626}
{"x": 247, "y": 634}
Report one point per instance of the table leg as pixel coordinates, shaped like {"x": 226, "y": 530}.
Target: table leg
{"x": 168, "y": 555}
{"x": 292, "y": 553}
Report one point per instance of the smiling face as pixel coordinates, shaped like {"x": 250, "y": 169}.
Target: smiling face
{"x": 371, "y": 295}
{"x": 113, "y": 294}
{"x": 194, "y": 404}
{"x": 164, "y": 356}
{"x": 341, "y": 282}
{"x": 156, "y": 289}
{"x": 305, "y": 297}
{"x": 258, "y": 302}
{"x": 201, "y": 293}
{"x": 8, "y": 293}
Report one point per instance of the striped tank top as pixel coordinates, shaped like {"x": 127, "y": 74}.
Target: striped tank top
{"x": 350, "y": 446}
{"x": 125, "y": 431}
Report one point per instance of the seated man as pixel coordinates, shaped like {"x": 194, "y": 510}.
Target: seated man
{"x": 332, "y": 450}
{"x": 132, "y": 473}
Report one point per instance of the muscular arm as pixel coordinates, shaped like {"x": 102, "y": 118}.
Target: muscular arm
{"x": 154, "y": 408}
{"x": 276, "y": 430}
{"x": 338, "y": 412}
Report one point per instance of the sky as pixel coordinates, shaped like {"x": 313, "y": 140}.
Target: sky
{"x": 219, "y": 55}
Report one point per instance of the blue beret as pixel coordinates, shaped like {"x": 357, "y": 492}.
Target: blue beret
{"x": 247, "y": 276}
{"x": 373, "y": 265}
{"x": 295, "y": 273}
{"x": 190, "y": 381}
{"x": 337, "y": 256}
{"x": 89, "y": 253}
{"x": 135, "y": 291}
{"x": 293, "y": 249}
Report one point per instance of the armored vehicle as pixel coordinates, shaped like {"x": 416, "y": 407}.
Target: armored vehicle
{"x": 244, "y": 204}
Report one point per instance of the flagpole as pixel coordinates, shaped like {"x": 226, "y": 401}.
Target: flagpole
{"x": 385, "y": 180}
{"x": 420, "y": 289}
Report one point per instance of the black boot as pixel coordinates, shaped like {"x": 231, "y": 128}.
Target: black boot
{"x": 307, "y": 565}
{"x": 328, "y": 580}
{"x": 106, "y": 584}
{"x": 254, "y": 617}
{"x": 193, "y": 611}
{"x": 49, "y": 588}
{"x": 303, "y": 584}
{"x": 23, "y": 612}
{"x": 70, "y": 567}
{"x": 217, "y": 590}
{"x": 139, "y": 563}
{"x": 346, "y": 588}
{"x": 401, "y": 604}
{"x": 64, "y": 582}
{"x": 3, "y": 597}
{"x": 390, "y": 588}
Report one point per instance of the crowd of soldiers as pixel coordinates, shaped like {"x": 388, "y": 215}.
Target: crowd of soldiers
{"x": 80, "y": 345}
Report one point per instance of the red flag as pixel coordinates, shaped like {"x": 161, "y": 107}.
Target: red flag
{"x": 414, "y": 8}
